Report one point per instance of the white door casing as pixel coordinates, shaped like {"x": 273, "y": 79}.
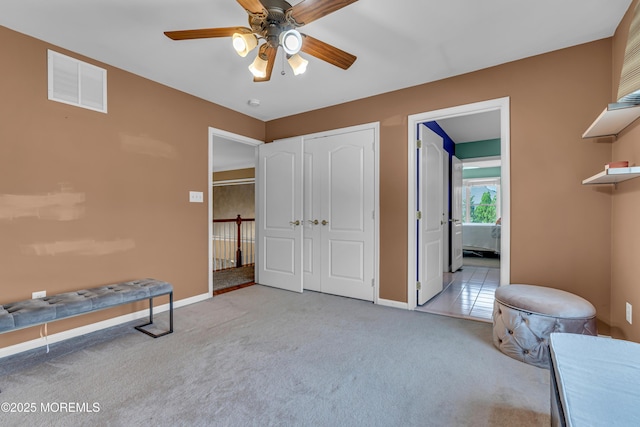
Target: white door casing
{"x": 214, "y": 134}
{"x": 279, "y": 180}
{"x": 456, "y": 214}
{"x": 431, "y": 206}
{"x": 339, "y": 214}
{"x": 500, "y": 104}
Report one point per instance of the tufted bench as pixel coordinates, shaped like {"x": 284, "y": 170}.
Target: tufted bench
{"x": 525, "y": 315}
{"x": 37, "y": 311}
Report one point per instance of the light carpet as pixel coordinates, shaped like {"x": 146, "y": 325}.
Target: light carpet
{"x": 261, "y": 356}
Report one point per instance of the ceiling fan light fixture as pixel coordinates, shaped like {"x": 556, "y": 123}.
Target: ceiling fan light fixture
{"x": 291, "y": 41}
{"x": 258, "y": 68}
{"x": 298, "y": 64}
{"x": 244, "y": 43}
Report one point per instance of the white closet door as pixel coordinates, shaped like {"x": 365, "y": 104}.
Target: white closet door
{"x": 312, "y": 229}
{"x": 343, "y": 203}
{"x": 456, "y": 213}
{"x": 279, "y": 179}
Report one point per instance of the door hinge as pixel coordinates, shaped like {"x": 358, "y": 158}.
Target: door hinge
{"x": 418, "y": 285}
{"x": 419, "y": 215}
{"x": 373, "y": 283}
{"x": 418, "y": 143}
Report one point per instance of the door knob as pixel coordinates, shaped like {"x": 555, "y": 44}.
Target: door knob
{"x": 325, "y": 222}
{"x": 313, "y": 222}
{"x": 296, "y": 222}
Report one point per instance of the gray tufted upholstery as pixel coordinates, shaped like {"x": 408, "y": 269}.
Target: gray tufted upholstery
{"x": 42, "y": 310}
{"x": 525, "y": 315}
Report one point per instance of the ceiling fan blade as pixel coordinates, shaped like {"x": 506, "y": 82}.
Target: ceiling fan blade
{"x": 310, "y": 10}
{"x": 205, "y": 33}
{"x": 270, "y": 53}
{"x": 253, "y": 6}
{"x": 326, "y": 52}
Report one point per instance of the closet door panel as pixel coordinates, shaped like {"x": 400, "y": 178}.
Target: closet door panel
{"x": 345, "y": 169}
{"x": 311, "y": 251}
{"x": 279, "y": 186}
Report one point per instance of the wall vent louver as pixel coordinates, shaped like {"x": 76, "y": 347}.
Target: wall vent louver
{"x": 74, "y": 82}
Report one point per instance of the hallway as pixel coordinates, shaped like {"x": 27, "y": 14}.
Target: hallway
{"x": 468, "y": 294}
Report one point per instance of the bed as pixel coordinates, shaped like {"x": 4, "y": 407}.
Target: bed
{"x": 481, "y": 237}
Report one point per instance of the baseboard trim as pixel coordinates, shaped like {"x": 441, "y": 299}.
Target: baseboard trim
{"x": 93, "y": 327}
{"x": 394, "y": 304}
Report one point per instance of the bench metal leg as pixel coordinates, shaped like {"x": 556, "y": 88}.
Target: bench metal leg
{"x": 151, "y": 334}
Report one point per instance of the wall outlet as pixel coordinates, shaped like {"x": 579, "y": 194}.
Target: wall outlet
{"x": 196, "y": 197}
{"x": 39, "y": 294}
{"x": 629, "y": 313}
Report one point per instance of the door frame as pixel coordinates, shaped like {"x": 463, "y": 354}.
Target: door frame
{"x": 214, "y": 132}
{"x": 502, "y": 104}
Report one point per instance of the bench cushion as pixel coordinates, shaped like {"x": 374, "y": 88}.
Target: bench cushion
{"x": 31, "y": 312}
{"x": 42, "y": 310}
{"x": 6, "y": 320}
{"x": 596, "y": 380}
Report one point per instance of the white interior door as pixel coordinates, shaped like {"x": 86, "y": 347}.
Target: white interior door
{"x": 431, "y": 205}
{"x": 279, "y": 179}
{"x": 343, "y": 204}
{"x": 312, "y": 229}
{"x": 456, "y": 214}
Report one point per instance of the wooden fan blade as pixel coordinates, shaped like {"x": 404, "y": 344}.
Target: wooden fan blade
{"x": 253, "y": 6}
{"x": 270, "y": 53}
{"x": 310, "y": 10}
{"x": 205, "y": 33}
{"x": 326, "y": 52}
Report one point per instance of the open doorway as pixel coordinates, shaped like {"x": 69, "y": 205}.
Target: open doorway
{"x": 232, "y": 211}
{"x": 477, "y": 192}
{"x": 465, "y": 114}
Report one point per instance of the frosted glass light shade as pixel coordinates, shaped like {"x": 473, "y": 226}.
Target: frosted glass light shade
{"x": 244, "y": 43}
{"x": 298, "y": 64}
{"x": 259, "y": 67}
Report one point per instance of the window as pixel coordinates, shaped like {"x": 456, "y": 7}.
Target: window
{"x": 481, "y": 200}
{"x": 74, "y": 82}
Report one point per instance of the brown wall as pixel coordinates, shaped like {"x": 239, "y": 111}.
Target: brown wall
{"x": 229, "y": 201}
{"x": 113, "y": 188}
{"x": 625, "y": 214}
{"x": 88, "y": 198}
{"x": 560, "y": 229}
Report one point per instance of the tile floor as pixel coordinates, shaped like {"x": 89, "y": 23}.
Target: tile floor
{"x": 468, "y": 293}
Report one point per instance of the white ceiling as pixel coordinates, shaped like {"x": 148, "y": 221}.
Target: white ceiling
{"x": 473, "y": 127}
{"x": 231, "y": 155}
{"x": 398, "y": 43}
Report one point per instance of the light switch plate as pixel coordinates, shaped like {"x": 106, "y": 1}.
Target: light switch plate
{"x": 196, "y": 197}
{"x": 629, "y": 313}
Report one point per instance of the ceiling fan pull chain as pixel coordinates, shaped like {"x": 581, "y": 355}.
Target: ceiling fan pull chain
{"x": 283, "y": 72}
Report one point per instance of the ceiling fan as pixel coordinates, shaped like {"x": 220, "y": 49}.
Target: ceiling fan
{"x": 275, "y": 22}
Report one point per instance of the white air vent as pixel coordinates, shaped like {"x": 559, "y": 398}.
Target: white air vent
{"x": 77, "y": 83}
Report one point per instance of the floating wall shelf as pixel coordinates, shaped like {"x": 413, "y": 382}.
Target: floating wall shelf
{"x": 612, "y": 121}
{"x": 613, "y": 176}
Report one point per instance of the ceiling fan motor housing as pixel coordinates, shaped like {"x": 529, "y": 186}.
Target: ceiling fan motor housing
{"x": 275, "y": 22}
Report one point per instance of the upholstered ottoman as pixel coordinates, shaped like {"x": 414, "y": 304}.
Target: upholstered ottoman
{"x": 525, "y": 315}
